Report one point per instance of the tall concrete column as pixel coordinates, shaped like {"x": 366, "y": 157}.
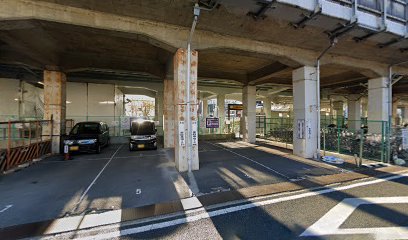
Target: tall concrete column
{"x": 55, "y": 106}
{"x": 248, "y": 120}
{"x": 168, "y": 113}
{"x": 159, "y": 112}
{"x": 405, "y": 115}
{"x": 338, "y": 108}
{"x": 221, "y": 111}
{"x": 354, "y": 111}
{"x": 364, "y": 107}
{"x": 395, "y": 117}
{"x": 205, "y": 108}
{"x": 182, "y": 138}
{"x": 267, "y": 104}
{"x": 377, "y": 103}
{"x": 305, "y": 111}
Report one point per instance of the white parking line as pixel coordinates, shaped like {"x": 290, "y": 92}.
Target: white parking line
{"x": 93, "y": 182}
{"x": 270, "y": 169}
{"x": 6, "y": 208}
{"x": 116, "y": 230}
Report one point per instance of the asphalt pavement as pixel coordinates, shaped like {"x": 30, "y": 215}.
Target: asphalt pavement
{"x": 370, "y": 209}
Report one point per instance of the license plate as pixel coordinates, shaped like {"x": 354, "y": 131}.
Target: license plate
{"x": 140, "y": 146}
{"x": 74, "y": 148}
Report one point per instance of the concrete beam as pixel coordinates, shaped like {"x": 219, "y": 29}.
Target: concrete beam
{"x": 265, "y": 72}
{"x": 168, "y": 34}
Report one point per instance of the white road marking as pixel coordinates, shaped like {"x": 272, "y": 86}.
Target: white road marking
{"x": 240, "y": 155}
{"x": 96, "y": 178}
{"x": 6, "y": 208}
{"x": 101, "y": 219}
{"x": 138, "y": 191}
{"x": 330, "y": 223}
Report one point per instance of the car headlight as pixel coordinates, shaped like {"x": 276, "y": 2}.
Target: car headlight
{"x": 133, "y": 137}
{"x": 69, "y": 142}
{"x": 153, "y": 136}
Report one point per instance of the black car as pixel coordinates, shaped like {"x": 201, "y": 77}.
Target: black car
{"x": 87, "y": 137}
{"x": 143, "y": 135}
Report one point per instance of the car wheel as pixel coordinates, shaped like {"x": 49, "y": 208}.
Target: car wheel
{"x": 98, "y": 149}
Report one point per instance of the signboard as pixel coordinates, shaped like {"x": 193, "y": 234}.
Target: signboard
{"x": 194, "y": 133}
{"x": 404, "y": 135}
{"x": 235, "y": 107}
{"x": 182, "y": 134}
{"x": 125, "y": 122}
{"x": 212, "y": 122}
{"x": 300, "y": 128}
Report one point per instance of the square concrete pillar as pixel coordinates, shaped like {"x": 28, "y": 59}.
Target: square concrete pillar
{"x": 305, "y": 112}
{"x": 221, "y": 111}
{"x": 248, "y": 120}
{"x": 364, "y": 107}
{"x": 158, "y": 112}
{"x": 168, "y": 113}
{"x": 267, "y": 105}
{"x": 54, "y": 107}
{"x": 377, "y": 104}
{"x": 338, "y": 107}
{"x": 395, "y": 117}
{"x": 354, "y": 112}
{"x": 405, "y": 115}
{"x": 183, "y": 140}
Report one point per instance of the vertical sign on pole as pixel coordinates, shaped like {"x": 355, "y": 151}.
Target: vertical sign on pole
{"x": 182, "y": 134}
{"x": 194, "y": 134}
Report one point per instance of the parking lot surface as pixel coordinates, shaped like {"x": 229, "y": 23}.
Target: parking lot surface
{"x": 119, "y": 179}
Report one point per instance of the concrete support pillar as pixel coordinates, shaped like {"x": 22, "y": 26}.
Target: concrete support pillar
{"x": 55, "y": 107}
{"x": 405, "y": 115}
{"x": 354, "y": 112}
{"x": 205, "y": 108}
{"x": 395, "y": 117}
{"x": 248, "y": 120}
{"x": 377, "y": 104}
{"x": 364, "y": 107}
{"x": 221, "y": 111}
{"x": 183, "y": 140}
{"x": 159, "y": 112}
{"x": 168, "y": 113}
{"x": 267, "y": 104}
{"x": 305, "y": 112}
{"x": 338, "y": 108}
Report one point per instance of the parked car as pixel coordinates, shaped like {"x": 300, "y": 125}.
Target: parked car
{"x": 88, "y": 137}
{"x": 143, "y": 135}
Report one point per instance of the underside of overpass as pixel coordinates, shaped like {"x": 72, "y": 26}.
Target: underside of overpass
{"x": 244, "y": 50}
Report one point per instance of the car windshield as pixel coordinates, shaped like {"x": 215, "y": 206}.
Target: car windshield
{"x": 85, "y": 128}
{"x": 142, "y": 128}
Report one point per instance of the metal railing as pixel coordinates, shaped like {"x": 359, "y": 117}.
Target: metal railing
{"x": 337, "y": 135}
{"x": 23, "y": 141}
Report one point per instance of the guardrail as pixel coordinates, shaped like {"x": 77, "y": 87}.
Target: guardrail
{"x": 23, "y": 141}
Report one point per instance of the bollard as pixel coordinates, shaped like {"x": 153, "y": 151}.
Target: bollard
{"x": 66, "y": 153}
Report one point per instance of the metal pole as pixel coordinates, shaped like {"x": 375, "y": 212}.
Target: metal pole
{"x": 332, "y": 43}
{"x": 189, "y": 125}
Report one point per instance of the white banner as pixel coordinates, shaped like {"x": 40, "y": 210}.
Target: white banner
{"x": 182, "y": 134}
{"x": 194, "y": 133}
